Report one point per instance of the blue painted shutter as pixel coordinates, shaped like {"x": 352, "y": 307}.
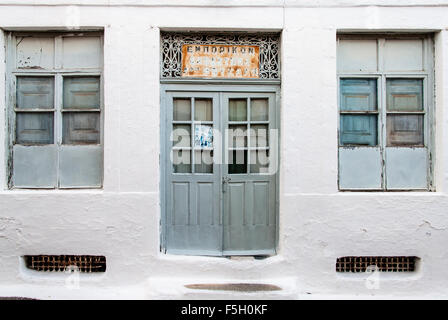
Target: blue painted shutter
{"x": 358, "y": 95}
{"x": 80, "y": 160}
{"x": 34, "y": 152}
{"x": 406, "y": 152}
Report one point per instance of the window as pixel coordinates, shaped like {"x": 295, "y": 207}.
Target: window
{"x": 55, "y": 110}
{"x": 385, "y": 112}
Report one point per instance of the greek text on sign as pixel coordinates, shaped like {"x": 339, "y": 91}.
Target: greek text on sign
{"x": 220, "y": 61}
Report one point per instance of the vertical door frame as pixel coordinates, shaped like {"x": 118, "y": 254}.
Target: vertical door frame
{"x": 219, "y": 87}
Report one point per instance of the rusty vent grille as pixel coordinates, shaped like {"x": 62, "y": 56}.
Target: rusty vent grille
{"x": 66, "y": 262}
{"x": 383, "y": 264}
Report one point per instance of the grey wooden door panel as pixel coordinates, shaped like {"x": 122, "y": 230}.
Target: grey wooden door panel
{"x": 249, "y": 217}
{"x": 180, "y": 203}
{"x": 249, "y": 208}
{"x": 205, "y": 211}
{"x": 237, "y": 207}
{"x": 193, "y": 198}
{"x": 250, "y": 204}
{"x": 249, "y": 240}
{"x": 194, "y": 240}
{"x": 192, "y": 203}
{"x": 261, "y": 204}
{"x": 193, "y": 221}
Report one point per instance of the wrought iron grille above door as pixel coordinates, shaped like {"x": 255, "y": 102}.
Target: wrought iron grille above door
{"x": 268, "y": 44}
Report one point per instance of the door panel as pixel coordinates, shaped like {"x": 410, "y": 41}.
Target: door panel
{"x": 249, "y": 209}
{"x": 249, "y": 218}
{"x": 193, "y": 191}
{"x": 181, "y": 203}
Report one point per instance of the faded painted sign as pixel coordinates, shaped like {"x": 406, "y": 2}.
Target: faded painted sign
{"x": 220, "y": 61}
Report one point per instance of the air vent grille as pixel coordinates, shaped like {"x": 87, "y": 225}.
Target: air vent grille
{"x": 66, "y": 262}
{"x": 380, "y": 263}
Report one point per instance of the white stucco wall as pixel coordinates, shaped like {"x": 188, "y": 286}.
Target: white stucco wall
{"x": 317, "y": 223}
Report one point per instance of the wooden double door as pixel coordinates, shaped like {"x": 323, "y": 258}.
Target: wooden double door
{"x": 220, "y": 170}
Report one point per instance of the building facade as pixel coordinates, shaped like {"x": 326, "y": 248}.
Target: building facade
{"x": 192, "y": 143}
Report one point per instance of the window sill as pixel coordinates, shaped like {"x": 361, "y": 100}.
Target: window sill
{"x": 386, "y": 193}
{"x": 53, "y": 191}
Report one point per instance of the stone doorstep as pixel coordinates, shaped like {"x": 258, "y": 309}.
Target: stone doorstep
{"x": 219, "y": 288}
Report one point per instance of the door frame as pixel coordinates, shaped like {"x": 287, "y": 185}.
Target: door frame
{"x": 210, "y": 86}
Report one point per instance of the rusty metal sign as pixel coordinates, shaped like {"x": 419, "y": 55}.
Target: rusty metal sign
{"x": 220, "y": 61}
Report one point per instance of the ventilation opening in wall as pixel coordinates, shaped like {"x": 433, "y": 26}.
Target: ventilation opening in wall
{"x": 63, "y": 263}
{"x": 378, "y": 263}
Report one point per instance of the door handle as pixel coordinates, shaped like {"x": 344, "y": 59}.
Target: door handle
{"x": 225, "y": 182}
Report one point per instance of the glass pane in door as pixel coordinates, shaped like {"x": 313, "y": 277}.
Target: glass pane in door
{"x": 203, "y": 110}
{"x": 237, "y": 161}
{"x": 182, "y": 109}
{"x": 237, "y": 109}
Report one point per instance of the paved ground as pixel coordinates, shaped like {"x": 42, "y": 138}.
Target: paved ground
{"x": 16, "y": 298}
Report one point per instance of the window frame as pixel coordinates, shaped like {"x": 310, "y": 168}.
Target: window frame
{"x": 381, "y": 76}
{"x": 58, "y": 74}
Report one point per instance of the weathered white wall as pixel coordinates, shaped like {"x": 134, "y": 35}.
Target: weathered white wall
{"x": 317, "y": 223}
